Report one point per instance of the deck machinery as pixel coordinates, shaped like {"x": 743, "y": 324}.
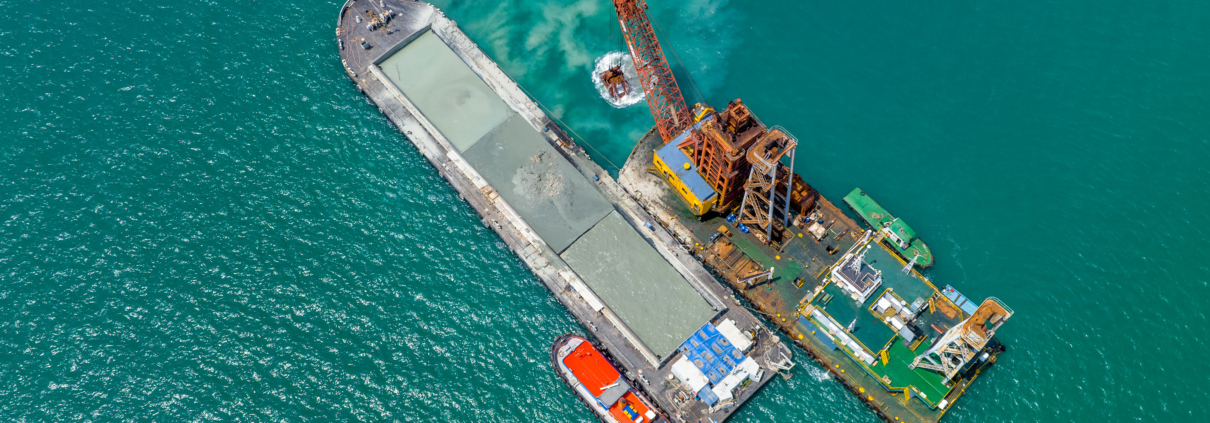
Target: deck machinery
{"x": 858, "y": 306}
{"x": 767, "y": 193}
{"x": 716, "y": 143}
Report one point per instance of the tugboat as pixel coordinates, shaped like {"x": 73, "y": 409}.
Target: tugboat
{"x": 899, "y": 235}
{"x": 599, "y": 384}
{"x": 616, "y": 82}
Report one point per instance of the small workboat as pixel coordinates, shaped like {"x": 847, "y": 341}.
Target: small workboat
{"x": 599, "y": 384}
{"x": 899, "y": 235}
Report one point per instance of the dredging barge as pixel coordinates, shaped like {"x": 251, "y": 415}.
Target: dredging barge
{"x": 724, "y": 183}
{"x": 650, "y": 305}
{"x": 904, "y": 347}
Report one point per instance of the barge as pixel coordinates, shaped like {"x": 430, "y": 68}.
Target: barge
{"x": 843, "y": 293}
{"x": 851, "y": 297}
{"x": 634, "y": 286}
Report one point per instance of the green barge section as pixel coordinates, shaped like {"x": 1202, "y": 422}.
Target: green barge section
{"x": 899, "y": 236}
{"x": 843, "y": 293}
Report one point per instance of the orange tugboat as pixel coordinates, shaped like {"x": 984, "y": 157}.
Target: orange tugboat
{"x": 599, "y": 384}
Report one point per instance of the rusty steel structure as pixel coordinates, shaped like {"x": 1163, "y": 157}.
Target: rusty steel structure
{"x": 663, "y": 95}
{"x": 767, "y": 193}
{"x": 615, "y": 81}
{"x": 718, "y": 146}
{"x": 719, "y": 149}
{"x": 717, "y": 143}
{"x": 955, "y": 349}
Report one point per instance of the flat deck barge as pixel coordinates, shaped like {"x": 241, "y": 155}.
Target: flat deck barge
{"x": 652, "y": 307}
{"x": 904, "y": 347}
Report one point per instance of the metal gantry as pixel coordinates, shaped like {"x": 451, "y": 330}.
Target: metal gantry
{"x": 766, "y": 205}
{"x": 961, "y": 343}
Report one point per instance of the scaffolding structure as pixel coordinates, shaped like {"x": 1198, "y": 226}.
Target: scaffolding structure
{"x": 963, "y": 342}
{"x": 767, "y": 193}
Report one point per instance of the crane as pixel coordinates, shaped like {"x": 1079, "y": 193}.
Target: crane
{"x": 711, "y": 144}
{"x": 663, "y": 95}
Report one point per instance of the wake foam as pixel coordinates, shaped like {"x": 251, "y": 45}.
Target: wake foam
{"x": 610, "y": 60}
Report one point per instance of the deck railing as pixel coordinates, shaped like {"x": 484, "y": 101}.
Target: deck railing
{"x": 1001, "y": 304}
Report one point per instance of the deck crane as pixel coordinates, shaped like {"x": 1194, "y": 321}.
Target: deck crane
{"x": 708, "y": 167}
{"x": 663, "y": 95}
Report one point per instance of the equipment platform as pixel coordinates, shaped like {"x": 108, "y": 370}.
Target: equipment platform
{"x": 839, "y": 292}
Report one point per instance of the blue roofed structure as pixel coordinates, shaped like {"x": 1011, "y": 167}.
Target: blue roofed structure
{"x": 676, "y": 161}
{"x": 960, "y": 300}
{"x": 680, "y": 172}
{"x": 819, "y": 333}
{"x": 707, "y": 396}
{"x": 711, "y": 353}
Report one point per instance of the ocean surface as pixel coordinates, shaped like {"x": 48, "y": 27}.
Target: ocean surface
{"x": 201, "y": 219}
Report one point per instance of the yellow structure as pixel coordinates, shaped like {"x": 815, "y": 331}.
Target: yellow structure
{"x": 675, "y": 168}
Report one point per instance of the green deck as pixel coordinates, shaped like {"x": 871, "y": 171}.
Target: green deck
{"x": 931, "y": 384}
{"x": 783, "y": 270}
{"x": 868, "y": 330}
{"x": 907, "y": 286}
{"x": 874, "y": 334}
{"x": 878, "y": 218}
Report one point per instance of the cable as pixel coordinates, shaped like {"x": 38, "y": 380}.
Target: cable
{"x": 677, "y": 57}
{"x": 573, "y": 132}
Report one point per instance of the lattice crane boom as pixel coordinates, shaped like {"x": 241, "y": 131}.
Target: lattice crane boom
{"x": 663, "y": 95}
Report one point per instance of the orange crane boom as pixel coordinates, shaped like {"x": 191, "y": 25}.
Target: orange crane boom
{"x": 717, "y": 144}
{"x": 663, "y": 95}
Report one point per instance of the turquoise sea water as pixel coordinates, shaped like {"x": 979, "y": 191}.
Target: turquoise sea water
{"x": 201, "y": 219}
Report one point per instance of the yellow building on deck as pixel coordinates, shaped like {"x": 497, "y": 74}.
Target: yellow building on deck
{"x": 676, "y": 168}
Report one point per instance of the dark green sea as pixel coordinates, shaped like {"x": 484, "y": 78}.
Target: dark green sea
{"x": 201, "y": 219}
